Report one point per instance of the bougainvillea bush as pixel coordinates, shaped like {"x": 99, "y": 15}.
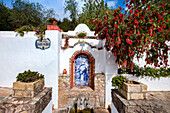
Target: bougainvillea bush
{"x": 143, "y": 28}
{"x": 40, "y": 30}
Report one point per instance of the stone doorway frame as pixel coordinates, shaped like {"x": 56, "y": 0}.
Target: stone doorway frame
{"x": 92, "y": 67}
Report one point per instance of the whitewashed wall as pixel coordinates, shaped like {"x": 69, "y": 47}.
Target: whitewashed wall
{"x": 66, "y": 54}
{"x": 104, "y": 61}
{"x": 18, "y": 54}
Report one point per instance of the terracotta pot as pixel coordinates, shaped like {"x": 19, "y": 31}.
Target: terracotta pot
{"x": 64, "y": 71}
{"x": 54, "y": 22}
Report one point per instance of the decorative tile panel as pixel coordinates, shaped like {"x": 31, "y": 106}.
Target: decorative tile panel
{"x": 82, "y": 63}
{"x": 82, "y": 70}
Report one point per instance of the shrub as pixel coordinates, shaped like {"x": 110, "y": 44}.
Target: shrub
{"x": 148, "y": 71}
{"x": 82, "y": 35}
{"x": 118, "y": 81}
{"x": 29, "y": 76}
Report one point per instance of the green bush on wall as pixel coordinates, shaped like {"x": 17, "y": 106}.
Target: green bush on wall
{"x": 148, "y": 71}
{"x": 82, "y": 35}
{"x": 118, "y": 81}
{"x": 29, "y": 76}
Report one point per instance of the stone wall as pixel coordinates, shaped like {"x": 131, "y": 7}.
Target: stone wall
{"x": 26, "y": 105}
{"x": 22, "y": 89}
{"x": 137, "y": 106}
{"x": 66, "y": 94}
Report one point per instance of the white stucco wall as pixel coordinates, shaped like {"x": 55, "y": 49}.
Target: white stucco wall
{"x": 18, "y": 54}
{"x": 66, "y": 54}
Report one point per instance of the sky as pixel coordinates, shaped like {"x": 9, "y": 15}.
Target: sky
{"x": 58, "y": 5}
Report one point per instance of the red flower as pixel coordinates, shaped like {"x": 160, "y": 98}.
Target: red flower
{"x": 142, "y": 17}
{"x": 125, "y": 11}
{"x": 136, "y": 15}
{"x": 149, "y": 7}
{"x": 124, "y": 2}
{"x": 116, "y": 26}
{"x": 131, "y": 11}
{"x": 162, "y": 19}
{"x": 131, "y": 17}
{"x": 138, "y": 33}
{"x": 136, "y": 22}
{"x": 163, "y": 13}
{"x": 137, "y": 11}
{"x": 129, "y": 41}
{"x": 126, "y": 34}
{"x": 129, "y": 7}
{"x": 114, "y": 30}
{"x": 167, "y": 20}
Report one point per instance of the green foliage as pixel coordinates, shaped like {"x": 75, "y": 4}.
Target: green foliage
{"x": 118, "y": 81}
{"x": 146, "y": 72}
{"x": 23, "y": 13}
{"x": 92, "y": 9}
{"x": 66, "y": 24}
{"x": 29, "y": 76}
{"x": 40, "y": 31}
{"x": 72, "y": 7}
{"x": 4, "y": 18}
{"x": 81, "y": 35}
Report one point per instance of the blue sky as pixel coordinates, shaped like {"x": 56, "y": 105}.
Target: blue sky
{"x": 58, "y": 5}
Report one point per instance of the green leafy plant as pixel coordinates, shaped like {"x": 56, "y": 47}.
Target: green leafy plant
{"x": 29, "y": 76}
{"x": 148, "y": 71}
{"x": 118, "y": 81}
{"x": 40, "y": 31}
{"x": 82, "y": 35}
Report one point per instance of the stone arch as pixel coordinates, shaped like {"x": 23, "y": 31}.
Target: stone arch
{"x": 91, "y": 67}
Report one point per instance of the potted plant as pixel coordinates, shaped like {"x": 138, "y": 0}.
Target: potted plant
{"x": 129, "y": 89}
{"x": 28, "y": 84}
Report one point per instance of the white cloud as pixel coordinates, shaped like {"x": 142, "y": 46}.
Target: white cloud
{"x": 112, "y": 4}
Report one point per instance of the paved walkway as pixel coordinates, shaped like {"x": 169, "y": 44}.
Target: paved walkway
{"x": 62, "y": 110}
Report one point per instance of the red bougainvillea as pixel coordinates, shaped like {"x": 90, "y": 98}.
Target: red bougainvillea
{"x": 143, "y": 28}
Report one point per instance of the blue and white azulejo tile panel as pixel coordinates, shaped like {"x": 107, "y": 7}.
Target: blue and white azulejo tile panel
{"x": 82, "y": 70}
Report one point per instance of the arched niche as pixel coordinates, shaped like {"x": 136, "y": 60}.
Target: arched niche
{"x": 82, "y": 69}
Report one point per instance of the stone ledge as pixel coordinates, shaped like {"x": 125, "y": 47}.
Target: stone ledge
{"x": 138, "y": 106}
{"x": 25, "y": 104}
{"x": 81, "y": 89}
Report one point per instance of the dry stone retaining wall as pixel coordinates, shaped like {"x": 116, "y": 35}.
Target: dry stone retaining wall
{"x": 26, "y": 105}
